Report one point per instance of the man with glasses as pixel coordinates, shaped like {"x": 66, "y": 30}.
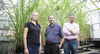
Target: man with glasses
{"x": 71, "y": 31}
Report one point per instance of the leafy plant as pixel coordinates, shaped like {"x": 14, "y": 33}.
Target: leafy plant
{"x": 19, "y": 15}
{"x": 61, "y": 9}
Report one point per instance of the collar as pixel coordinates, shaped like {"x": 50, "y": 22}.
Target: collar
{"x": 71, "y": 23}
{"x": 52, "y": 25}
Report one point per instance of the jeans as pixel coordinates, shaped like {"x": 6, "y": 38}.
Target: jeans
{"x": 33, "y": 48}
{"x": 70, "y": 47}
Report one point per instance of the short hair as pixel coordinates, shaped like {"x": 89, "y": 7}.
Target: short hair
{"x": 72, "y": 15}
{"x": 51, "y": 16}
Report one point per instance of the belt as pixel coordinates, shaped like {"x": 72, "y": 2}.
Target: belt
{"x": 51, "y": 43}
{"x": 70, "y": 39}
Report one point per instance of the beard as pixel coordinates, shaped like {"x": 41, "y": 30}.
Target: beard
{"x": 51, "y": 22}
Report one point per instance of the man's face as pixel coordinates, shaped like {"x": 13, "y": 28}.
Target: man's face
{"x": 71, "y": 18}
{"x": 51, "y": 19}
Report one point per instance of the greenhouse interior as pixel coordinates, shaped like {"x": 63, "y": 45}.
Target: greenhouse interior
{"x": 15, "y": 13}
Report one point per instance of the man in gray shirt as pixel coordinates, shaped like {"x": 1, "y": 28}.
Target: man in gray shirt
{"x": 53, "y": 36}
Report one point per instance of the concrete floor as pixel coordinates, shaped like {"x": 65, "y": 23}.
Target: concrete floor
{"x": 90, "y": 51}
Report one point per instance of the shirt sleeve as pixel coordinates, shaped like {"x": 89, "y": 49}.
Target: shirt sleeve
{"x": 76, "y": 30}
{"x": 61, "y": 34}
{"x": 26, "y": 25}
{"x": 39, "y": 26}
{"x": 66, "y": 32}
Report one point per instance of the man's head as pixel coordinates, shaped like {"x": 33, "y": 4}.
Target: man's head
{"x": 71, "y": 18}
{"x": 51, "y": 19}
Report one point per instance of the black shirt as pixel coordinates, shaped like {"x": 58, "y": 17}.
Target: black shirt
{"x": 33, "y": 35}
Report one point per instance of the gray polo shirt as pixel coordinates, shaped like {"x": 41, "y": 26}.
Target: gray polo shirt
{"x": 53, "y": 33}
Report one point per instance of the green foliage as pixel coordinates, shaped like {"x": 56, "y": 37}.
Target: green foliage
{"x": 61, "y": 9}
{"x": 19, "y": 15}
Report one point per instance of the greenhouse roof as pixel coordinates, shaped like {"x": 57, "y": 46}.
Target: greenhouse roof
{"x": 92, "y": 5}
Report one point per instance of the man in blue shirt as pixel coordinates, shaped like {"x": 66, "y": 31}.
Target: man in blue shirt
{"x": 53, "y": 36}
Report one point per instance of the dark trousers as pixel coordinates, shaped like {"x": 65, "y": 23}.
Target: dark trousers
{"x": 33, "y": 48}
{"x": 51, "y": 48}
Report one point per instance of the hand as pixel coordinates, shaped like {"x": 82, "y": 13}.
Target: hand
{"x": 70, "y": 31}
{"x": 26, "y": 51}
{"x": 67, "y": 34}
{"x": 73, "y": 34}
{"x": 40, "y": 50}
{"x": 60, "y": 46}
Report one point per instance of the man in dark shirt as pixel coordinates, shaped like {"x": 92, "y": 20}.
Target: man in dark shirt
{"x": 53, "y": 35}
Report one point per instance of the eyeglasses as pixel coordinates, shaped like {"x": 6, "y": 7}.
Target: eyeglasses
{"x": 71, "y": 17}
